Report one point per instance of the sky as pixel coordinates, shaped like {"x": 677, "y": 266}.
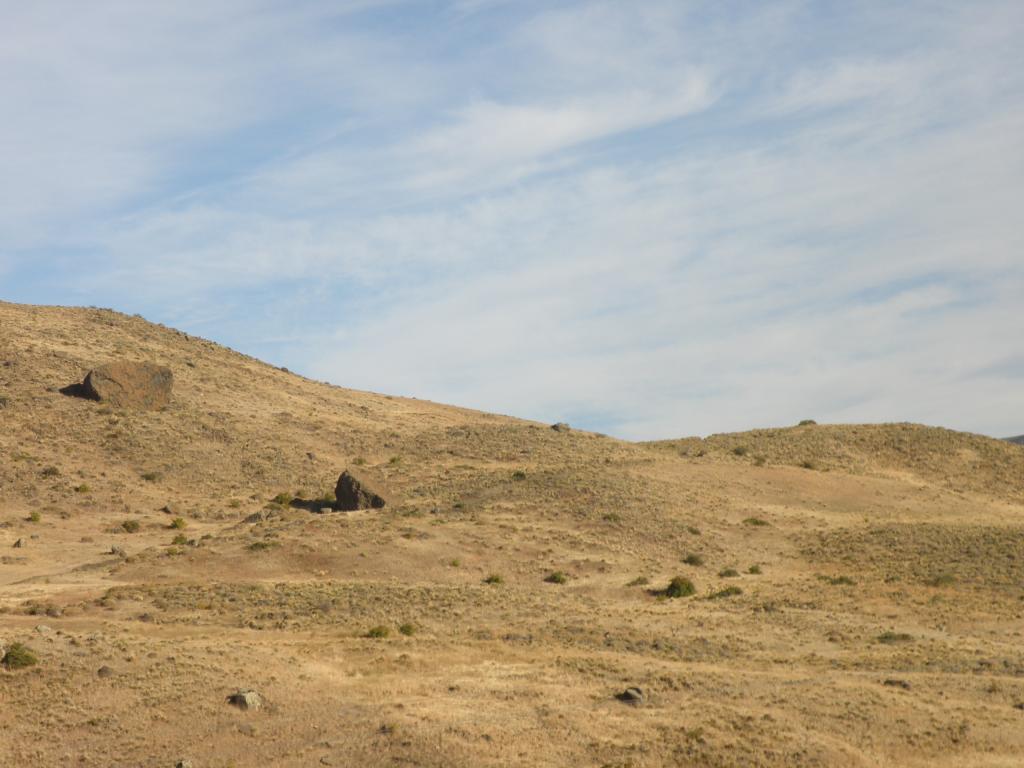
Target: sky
{"x": 650, "y": 219}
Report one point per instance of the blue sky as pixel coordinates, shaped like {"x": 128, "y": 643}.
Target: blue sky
{"x": 652, "y": 219}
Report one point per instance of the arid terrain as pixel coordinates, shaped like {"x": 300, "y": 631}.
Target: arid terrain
{"x": 858, "y": 590}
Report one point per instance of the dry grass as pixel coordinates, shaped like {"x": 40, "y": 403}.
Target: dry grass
{"x": 380, "y": 638}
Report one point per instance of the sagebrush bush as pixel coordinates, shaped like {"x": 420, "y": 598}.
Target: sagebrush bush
{"x": 19, "y": 656}
{"x": 131, "y": 526}
{"x": 694, "y": 559}
{"x": 680, "y": 586}
{"x": 556, "y": 577}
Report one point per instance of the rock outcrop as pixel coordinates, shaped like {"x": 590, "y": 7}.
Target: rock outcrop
{"x": 354, "y": 492}
{"x": 122, "y": 384}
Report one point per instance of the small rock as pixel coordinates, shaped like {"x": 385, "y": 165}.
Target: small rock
{"x": 104, "y": 671}
{"x": 183, "y": 764}
{"x": 561, "y": 427}
{"x": 43, "y": 629}
{"x": 632, "y": 696}
{"x": 246, "y": 699}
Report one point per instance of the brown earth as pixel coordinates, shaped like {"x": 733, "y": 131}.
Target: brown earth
{"x": 877, "y": 621}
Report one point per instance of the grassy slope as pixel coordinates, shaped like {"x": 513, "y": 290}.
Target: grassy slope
{"x": 928, "y": 525}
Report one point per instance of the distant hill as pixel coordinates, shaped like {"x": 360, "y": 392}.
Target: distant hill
{"x": 1019, "y": 439}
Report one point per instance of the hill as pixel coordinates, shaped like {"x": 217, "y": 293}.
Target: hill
{"x": 1019, "y": 439}
{"x": 857, "y": 589}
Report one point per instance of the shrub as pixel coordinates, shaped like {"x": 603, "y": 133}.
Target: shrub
{"x": 807, "y": 423}
{"x": 83, "y": 488}
{"x": 556, "y": 577}
{"x": 740, "y": 450}
{"x": 838, "y": 581}
{"x": 359, "y": 461}
{"x": 693, "y": 529}
{"x": 680, "y": 586}
{"x": 760, "y": 461}
{"x": 890, "y": 638}
{"x": 150, "y": 477}
{"x": 407, "y": 629}
{"x": 494, "y": 578}
{"x": 728, "y": 573}
{"x": 519, "y": 475}
{"x": 50, "y": 472}
{"x": 261, "y": 546}
{"x": 177, "y": 523}
{"x": 395, "y": 460}
{"x": 34, "y": 517}
{"x": 378, "y": 631}
{"x": 694, "y": 559}
{"x": 809, "y": 464}
{"x": 755, "y": 570}
{"x": 639, "y": 581}
{"x": 612, "y": 517}
{"x": 131, "y": 526}
{"x": 180, "y": 540}
{"x": 454, "y": 562}
{"x": 19, "y": 656}
{"x": 755, "y": 521}
{"x": 727, "y": 592}
{"x": 284, "y": 499}
{"x": 941, "y": 580}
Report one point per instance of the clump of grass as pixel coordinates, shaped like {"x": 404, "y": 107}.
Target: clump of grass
{"x": 359, "y": 461}
{"x": 807, "y": 423}
{"x": 809, "y": 464}
{"x": 177, "y": 523}
{"x": 728, "y": 573}
{"x": 694, "y": 559}
{"x": 378, "y": 632}
{"x": 34, "y": 517}
{"x": 407, "y": 629}
{"x": 180, "y": 540}
{"x": 234, "y": 503}
{"x": 755, "y": 521}
{"x": 83, "y": 488}
{"x": 519, "y": 475}
{"x": 680, "y": 586}
{"x": 612, "y": 517}
{"x": 639, "y": 581}
{"x": 731, "y": 591}
{"x": 131, "y": 526}
{"x": 760, "y": 461}
{"x": 890, "y": 638}
{"x": 454, "y": 562}
{"x": 261, "y": 546}
{"x": 50, "y": 471}
{"x": 755, "y": 570}
{"x": 941, "y": 580}
{"x": 19, "y": 656}
{"x": 150, "y": 477}
{"x": 395, "y": 460}
{"x": 494, "y": 578}
{"x": 556, "y": 577}
{"x": 693, "y": 530}
{"x": 284, "y": 499}
{"x": 838, "y": 581}
{"x": 740, "y": 450}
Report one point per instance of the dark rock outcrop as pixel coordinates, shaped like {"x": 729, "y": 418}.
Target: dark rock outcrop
{"x": 354, "y": 493}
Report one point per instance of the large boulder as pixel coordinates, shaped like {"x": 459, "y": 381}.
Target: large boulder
{"x": 143, "y": 386}
{"x": 355, "y": 492}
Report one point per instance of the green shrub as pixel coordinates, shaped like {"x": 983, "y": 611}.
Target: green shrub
{"x": 19, "y": 656}
{"x": 359, "y": 461}
{"x": 50, "y": 472}
{"x": 728, "y": 573}
{"x": 34, "y": 517}
{"x": 556, "y": 577}
{"x": 261, "y": 546}
{"x": 639, "y": 581}
{"x": 177, "y": 523}
{"x": 680, "y": 586}
{"x": 755, "y": 570}
{"x": 740, "y": 450}
{"x": 755, "y": 521}
{"x": 809, "y": 464}
{"x": 727, "y": 592}
{"x": 131, "y": 526}
{"x": 284, "y": 499}
{"x": 694, "y": 559}
{"x": 838, "y": 581}
{"x": 612, "y": 517}
{"x": 807, "y": 423}
{"x": 378, "y": 631}
{"x": 180, "y": 540}
{"x": 407, "y": 629}
{"x": 83, "y": 488}
{"x": 519, "y": 475}
{"x": 693, "y": 530}
{"x": 150, "y": 477}
{"x": 394, "y": 460}
{"x": 494, "y": 578}
{"x": 760, "y": 461}
{"x": 454, "y": 562}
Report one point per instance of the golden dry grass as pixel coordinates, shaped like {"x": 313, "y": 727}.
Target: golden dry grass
{"x": 884, "y": 627}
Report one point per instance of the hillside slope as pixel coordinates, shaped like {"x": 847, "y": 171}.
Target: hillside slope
{"x": 865, "y": 611}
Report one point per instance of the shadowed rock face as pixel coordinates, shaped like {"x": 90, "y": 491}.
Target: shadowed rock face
{"x": 130, "y": 385}
{"x": 353, "y": 493}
